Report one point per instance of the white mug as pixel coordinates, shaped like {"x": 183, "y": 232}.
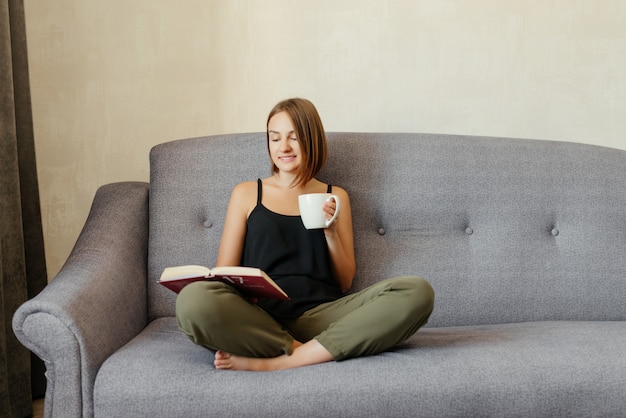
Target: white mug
{"x": 312, "y": 212}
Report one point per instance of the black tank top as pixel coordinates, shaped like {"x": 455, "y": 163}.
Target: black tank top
{"x": 296, "y": 258}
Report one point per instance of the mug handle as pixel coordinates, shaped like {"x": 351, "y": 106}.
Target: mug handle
{"x": 331, "y": 220}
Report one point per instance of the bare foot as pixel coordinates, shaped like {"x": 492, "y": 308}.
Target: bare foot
{"x": 309, "y": 353}
{"x": 227, "y": 361}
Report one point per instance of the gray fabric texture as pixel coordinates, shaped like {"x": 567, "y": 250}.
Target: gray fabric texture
{"x": 505, "y": 230}
{"x": 96, "y": 304}
{"x": 540, "y": 369}
{"x": 190, "y": 184}
{"x": 522, "y": 240}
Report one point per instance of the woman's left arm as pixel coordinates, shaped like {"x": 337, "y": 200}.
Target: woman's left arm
{"x": 340, "y": 239}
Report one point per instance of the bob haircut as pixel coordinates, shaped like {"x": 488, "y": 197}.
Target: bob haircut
{"x": 309, "y": 133}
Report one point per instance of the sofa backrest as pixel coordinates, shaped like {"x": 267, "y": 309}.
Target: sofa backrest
{"x": 506, "y": 230}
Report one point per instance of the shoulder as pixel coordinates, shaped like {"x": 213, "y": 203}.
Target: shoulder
{"x": 245, "y": 188}
{"x": 339, "y": 191}
{"x": 342, "y": 194}
{"x": 244, "y": 196}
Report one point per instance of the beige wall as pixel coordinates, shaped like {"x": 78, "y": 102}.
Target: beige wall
{"x": 110, "y": 79}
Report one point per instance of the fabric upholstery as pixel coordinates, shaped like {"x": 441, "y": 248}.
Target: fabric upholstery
{"x": 505, "y": 230}
{"x": 492, "y": 370}
{"x": 96, "y": 304}
{"x": 522, "y": 240}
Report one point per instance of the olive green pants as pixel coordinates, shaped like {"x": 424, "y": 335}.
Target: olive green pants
{"x": 368, "y": 322}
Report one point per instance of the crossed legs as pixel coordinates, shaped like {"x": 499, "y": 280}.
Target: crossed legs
{"x": 247, "y": 338}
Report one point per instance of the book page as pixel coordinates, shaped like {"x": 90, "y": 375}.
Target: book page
{"x": 174, "y": 273}
{"x": 237, "y": 271}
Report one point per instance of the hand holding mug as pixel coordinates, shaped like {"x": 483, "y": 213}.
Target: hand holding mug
{"x": 313, "y": 209}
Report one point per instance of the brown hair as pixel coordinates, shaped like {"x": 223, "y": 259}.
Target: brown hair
{"x": 310, "y": 135}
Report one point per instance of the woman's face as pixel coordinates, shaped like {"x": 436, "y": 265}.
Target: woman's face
{"x": 283, "y": 143}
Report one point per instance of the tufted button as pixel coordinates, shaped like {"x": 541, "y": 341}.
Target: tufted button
{"x": 554, "y": 232}
{"x": 469, "y": 231}
{"x": 207, "y": 224}
{"x": 381, "y": 231}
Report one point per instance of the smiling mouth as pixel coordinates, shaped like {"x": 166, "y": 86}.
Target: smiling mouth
{"x": 287, "y": 159}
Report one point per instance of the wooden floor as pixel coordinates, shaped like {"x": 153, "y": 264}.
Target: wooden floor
{"x": 38, "y": 408}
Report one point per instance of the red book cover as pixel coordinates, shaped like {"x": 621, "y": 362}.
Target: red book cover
{"x": 249, "y": 281}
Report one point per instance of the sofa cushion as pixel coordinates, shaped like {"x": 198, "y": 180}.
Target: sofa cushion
{"x": 525, "y": 369}
{"x": 506, "y": 230}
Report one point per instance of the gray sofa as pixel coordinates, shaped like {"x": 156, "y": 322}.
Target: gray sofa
{"x": 523, "y": 241}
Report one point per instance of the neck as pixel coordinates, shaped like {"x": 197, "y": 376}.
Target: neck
{"x": 285, "y": 180}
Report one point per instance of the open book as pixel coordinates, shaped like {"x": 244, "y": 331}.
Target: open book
{"x": 249, "y": 281}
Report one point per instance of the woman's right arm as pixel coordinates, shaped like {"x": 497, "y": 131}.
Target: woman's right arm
{"x": 242, "y": 201}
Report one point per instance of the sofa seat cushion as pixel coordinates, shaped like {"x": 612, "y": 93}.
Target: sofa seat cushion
{"x": 527, "y": 369}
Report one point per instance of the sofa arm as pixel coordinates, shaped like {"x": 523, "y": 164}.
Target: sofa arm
{"x": 96, "y": 303}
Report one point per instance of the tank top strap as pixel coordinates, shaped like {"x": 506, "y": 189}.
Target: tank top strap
{"x": 260, "y": 192}
{"x": 329, "y": 189}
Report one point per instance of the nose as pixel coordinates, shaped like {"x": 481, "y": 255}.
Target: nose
{"x": 285, "y": 145}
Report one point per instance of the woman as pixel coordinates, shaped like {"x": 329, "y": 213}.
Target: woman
{"x": 315, "y": 267}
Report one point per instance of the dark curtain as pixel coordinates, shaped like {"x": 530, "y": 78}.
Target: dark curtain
{"x": 22, "y": 262}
